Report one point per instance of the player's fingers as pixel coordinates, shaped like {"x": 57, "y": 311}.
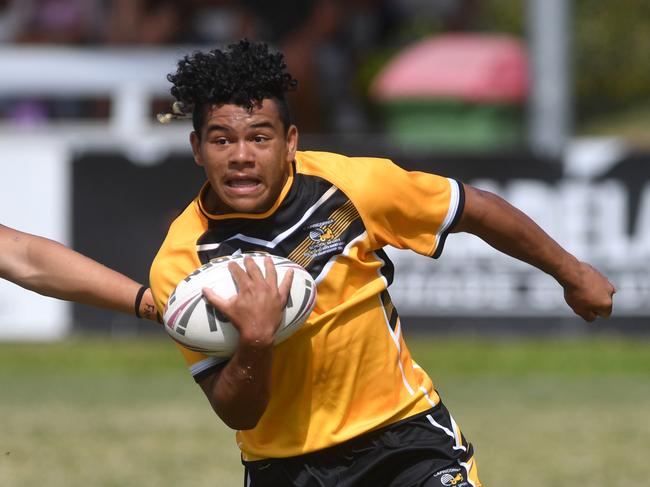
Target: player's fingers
{"x": 252, "y": 268}
{"x": 605, "y": 311}
{"x": 221, "y": 305}
{"x": 606, "y": 308}
{"x": 242, "y": 281}
{"x": 285, "y": 285}
{"x": 271, "y": 275}
{"x": 238, "y": 274}
{"x": 214, "y": 299}
{"x": 588, "y": 316}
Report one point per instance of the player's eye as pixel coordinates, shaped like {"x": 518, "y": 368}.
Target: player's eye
{"x": 220, "y": 141}
{"x": 260, "y": 138}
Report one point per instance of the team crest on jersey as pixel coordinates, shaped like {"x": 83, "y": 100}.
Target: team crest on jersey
{"x": 324, "y": 239}
{"x": 452, "y": 477}
{"x": 322, "y": 234}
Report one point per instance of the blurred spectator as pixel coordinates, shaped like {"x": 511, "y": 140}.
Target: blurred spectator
{"x": 148, "y": 22}
{"x": 322, "y": 41}
{"x": 218, "y": 22}
{"x": 75, "y": 22}
{"x": 8, "y": 21}
{"x": 56, "y": 21}
{"x": 302, "y": 30}
{"x": 326, "y": 42}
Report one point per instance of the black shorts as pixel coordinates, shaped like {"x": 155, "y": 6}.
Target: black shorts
{"x": 425, "y": 450}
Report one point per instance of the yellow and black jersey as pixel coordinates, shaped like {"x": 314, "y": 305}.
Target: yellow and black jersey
{"x": 347, "y": 371}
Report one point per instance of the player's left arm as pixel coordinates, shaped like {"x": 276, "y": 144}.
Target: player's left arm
{"x": 52, "y": 269}
{"x": 240, "y": 392}
{"x": 507, "y": 229}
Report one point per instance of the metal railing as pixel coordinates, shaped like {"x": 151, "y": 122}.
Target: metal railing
{"x": 130, "y": 78}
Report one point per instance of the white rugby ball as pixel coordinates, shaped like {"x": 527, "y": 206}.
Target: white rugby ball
{"x": 196, "y": 324}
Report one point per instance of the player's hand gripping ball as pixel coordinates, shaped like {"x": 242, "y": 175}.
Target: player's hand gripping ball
{"x": 196, "y": 324}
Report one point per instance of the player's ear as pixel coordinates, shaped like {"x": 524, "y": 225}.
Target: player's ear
{"x": 292, "y": 142}
{"x": 195, "y": 141}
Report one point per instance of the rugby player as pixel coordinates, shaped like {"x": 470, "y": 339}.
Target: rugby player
{"x": 342, "y": 402}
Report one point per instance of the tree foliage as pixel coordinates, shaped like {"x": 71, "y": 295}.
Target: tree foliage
{"x": 611, "y": 64}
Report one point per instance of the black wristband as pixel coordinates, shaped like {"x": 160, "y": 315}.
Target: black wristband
{"x": 138, "y": 300}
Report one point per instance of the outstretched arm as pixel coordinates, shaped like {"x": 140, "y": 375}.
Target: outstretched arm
{"x": 504, "y": 227}
{"x": 49, "y": 268}
{"x": 240, "y": 392}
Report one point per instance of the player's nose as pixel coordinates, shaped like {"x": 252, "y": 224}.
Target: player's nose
{"x": 241, "y": 153}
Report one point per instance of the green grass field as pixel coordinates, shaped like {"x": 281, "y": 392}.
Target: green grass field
{"x": 125, "y": 413}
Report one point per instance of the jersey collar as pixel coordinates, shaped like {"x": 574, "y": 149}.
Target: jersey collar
{"x": 255, "y": 216}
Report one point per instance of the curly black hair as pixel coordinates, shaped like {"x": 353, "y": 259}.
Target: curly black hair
{"x": 244, "y": 74}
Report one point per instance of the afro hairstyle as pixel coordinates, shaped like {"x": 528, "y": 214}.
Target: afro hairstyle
{"x": 245, "y": 73}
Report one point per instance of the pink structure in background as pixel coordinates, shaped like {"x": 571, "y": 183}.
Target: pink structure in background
{"x": 469, "y": 67}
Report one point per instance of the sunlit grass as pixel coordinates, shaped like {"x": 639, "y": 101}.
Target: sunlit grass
{"x": 126, "y": 413}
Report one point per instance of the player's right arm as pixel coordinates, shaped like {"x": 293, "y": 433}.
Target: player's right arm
{"x": 49, "y": 268}
{"x": 240, "y": 391}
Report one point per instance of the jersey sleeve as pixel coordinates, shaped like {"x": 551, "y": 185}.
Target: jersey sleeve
{"x": 408, "y": 209}
{"x": 200, "y": 365}
{"x": 176, "y": 259}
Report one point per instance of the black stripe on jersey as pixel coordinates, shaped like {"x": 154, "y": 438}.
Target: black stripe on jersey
{"x": 314, "y": 223}
{"x": 389, "y": 307}
{"x": 198, "y": 377}
{"x": 459, "y": 212}
{"x": 388, "y": 269}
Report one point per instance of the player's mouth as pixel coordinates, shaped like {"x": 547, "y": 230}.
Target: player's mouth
{"x": 243, "y": 186}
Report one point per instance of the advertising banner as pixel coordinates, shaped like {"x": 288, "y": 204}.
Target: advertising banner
{"x": 122, "y": 211}
{"x": 603, "y": 220}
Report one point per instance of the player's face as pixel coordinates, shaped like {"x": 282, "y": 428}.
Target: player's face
{"x": 246, "y": 155}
